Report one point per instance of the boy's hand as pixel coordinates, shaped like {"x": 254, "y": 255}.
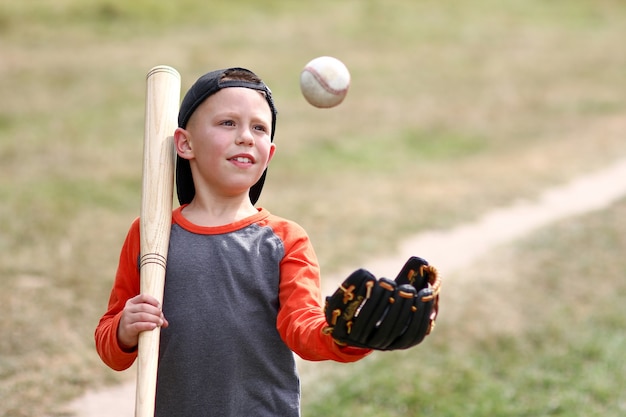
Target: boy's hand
{"x": 140, "y": 313}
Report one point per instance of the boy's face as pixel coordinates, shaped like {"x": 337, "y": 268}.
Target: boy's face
{"x": 227, "y": 141}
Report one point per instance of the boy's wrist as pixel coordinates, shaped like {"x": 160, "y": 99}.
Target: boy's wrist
{"x": 124, "y": 348}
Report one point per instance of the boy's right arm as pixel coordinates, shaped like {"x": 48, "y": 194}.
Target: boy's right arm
{"x": 126, "y": 286}
{"x": 108, "y": 347}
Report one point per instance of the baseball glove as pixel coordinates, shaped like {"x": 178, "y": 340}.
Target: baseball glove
{"x": 384, "y": 314}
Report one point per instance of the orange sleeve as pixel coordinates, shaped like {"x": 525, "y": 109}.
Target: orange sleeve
{"x": 301, "y": 316}
{"x": 126, "y": 286}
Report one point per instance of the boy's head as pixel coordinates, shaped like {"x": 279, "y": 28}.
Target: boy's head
{"x": 204, "y": 87}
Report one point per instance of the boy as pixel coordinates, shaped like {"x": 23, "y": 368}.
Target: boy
{"x": 242, "y": 285}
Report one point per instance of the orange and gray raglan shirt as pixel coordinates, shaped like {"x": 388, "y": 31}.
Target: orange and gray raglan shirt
{"x": 239, "y": 300}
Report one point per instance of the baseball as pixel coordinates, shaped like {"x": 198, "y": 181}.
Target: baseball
{"x": 324, "y": 82}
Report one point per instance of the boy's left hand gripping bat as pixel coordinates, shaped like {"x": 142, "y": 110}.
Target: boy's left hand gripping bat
{"x": 162, "y": 104}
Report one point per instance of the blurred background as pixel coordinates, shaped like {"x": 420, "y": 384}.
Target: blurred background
{"x": 455, "y": 108}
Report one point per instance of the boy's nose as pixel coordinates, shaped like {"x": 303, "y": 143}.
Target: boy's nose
{"x": 245, "y": 137}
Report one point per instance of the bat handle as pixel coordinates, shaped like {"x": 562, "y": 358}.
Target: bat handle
{"x": 148, "y": 350}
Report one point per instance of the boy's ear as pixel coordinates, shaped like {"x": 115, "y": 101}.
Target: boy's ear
{"x": 182, "y": 143}
{"x": 272, "y": 151}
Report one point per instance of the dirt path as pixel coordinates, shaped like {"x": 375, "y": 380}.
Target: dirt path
{"x": 448, "y": 250}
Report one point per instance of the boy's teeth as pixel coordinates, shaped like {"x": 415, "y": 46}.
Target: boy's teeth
{"x": 242, "y": 159}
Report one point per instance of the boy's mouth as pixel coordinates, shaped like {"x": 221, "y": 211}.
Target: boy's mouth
{"x": 242, "y": 159}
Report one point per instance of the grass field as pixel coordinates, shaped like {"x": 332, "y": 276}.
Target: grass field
{"x": 536, "y": 329}
{"x": 454, "y": 108}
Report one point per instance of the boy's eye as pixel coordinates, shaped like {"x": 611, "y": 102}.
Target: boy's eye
{"x": 228, "y": 123}
{"x": 261, "y": 128}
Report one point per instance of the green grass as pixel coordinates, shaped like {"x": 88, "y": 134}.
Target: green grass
{"x": 454, "y": 108}
{"x": 553, "y": 346}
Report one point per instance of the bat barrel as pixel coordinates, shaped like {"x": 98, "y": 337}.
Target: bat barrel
{"x": 162, "y": 103}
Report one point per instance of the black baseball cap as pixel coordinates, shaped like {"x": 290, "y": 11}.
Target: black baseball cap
{"x": 207, "y": 85}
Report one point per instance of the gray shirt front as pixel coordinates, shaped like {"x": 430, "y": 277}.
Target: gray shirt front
{"x": 221, "y": 354}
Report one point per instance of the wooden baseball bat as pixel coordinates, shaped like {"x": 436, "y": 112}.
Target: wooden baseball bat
{"x": 162, "y": 103}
